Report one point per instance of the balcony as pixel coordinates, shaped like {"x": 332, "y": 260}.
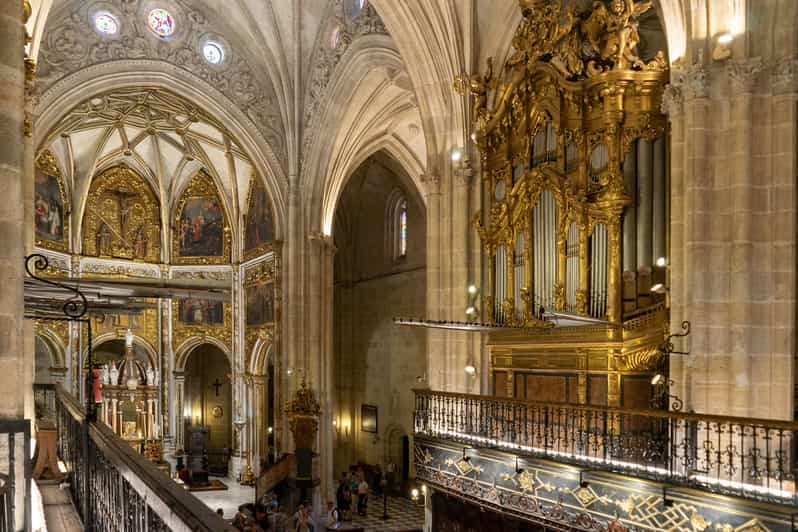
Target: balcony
{"x": 112, "y": 486}
{"x": 588, "y": 464}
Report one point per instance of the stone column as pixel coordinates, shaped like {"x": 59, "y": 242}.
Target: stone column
{"x": 645, "y": 159}
{"x": 745, "y": 203}
{"x": 12, "y": 221}
{"x": 460, "y": 349}
{"x": 436, "y": 364}
{"x": 179, "y": 433}
{"x": 259, "y": 444}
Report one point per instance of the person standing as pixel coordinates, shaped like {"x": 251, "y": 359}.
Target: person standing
{"x": 362, "y": 496}
{"x": 333, "y": 517}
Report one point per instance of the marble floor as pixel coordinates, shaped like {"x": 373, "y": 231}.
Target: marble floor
{"x": 228, "y": 500}
{"x": 404, "y": 516}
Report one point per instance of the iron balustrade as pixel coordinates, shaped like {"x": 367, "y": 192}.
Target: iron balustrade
{"x": 752, "y": 458}
{"x": 115, "y": 488}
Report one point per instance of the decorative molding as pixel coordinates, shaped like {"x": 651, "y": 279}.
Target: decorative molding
{"x": 326, "y": 58}
{"x": 784, "y": 75}
{"x": 743, "y": 74}
{"x": 70, "y": 44}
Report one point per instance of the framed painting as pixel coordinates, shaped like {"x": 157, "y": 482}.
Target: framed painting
{"x": 368, "y": 418}
{"x": 49, "y": 209}
{"x": 201, "y": 312}
{"x": 202, "y": 235}
{"x": 260, "y": 304}
{"x": 259, "y": 232}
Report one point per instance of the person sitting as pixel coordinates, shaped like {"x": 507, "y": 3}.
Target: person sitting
{"x": 220, "y": 512}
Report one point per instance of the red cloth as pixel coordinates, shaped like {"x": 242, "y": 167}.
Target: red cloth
{"x": 98, "y": 396}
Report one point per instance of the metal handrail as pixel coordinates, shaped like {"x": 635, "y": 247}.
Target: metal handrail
{"x": 748, "y": 457}
{"x": 120, "y": 475}
{"x": 648, "y": 412}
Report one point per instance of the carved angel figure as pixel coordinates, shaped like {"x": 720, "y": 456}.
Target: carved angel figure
{"x": 619, "y": 25}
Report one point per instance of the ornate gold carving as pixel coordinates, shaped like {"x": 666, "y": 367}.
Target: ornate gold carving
{"x": 46, "y": 163}
{"x": 303, "y": 416}
{"x": 200, "y": 189}
{"x": 122, "y": 217}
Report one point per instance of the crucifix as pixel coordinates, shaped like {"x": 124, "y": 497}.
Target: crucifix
{"x": 216, "y": 384}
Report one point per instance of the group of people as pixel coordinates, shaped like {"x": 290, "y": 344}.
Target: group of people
{"x": 352, "y": 486}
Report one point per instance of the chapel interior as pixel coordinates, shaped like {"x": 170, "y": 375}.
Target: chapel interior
{"x": 394, "y": 265}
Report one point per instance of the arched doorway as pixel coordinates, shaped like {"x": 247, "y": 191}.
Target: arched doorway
{"x": 208, "y": 401}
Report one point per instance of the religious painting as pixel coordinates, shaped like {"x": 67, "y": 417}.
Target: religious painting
{"x": 260, "y": 304}
{"x": 122, "y": 217}
{"x": 259, "y": 220}
{"x": 49, "y": 209}
{"x": 201, "y": 312}
{"x": 202, "y": 235}
{"x": 368, "y": 418}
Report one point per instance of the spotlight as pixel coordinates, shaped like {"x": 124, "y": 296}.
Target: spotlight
{"x": 457, "y": 154}
{"x": 658, "y": 288}
{"x": 470, "y": 369}
{"x": 414, "y": 494}
{"x": 657, "y": 379}
{"x": 661, "y": 262}
{"x": 270, "y": 430}
{"x": 472, "y": 289}
{"x": 725, "y": 38}
{"x": 424, "y": 489}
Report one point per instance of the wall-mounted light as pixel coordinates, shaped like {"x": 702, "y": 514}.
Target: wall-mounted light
{"x": 457, "y": 154}
{"x": 472, "y": 289}
{"x": 414, "y": 494}
{"x": 662, "y": 262}
{"x": 471, "y": 310}
{"x": 722, "y": 50}
{"x": 658, "y": 288}
{"x": 471, "y": 370}
{"x": 289, "y": 371}
{"x": 270, "y": 430}
{"x": 657, "y": 379}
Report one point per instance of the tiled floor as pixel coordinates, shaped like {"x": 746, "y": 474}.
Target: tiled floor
{"x": 228, "y": 500}
{"x": 404, "y": 516}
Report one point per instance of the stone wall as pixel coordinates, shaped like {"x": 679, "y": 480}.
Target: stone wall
{"x": 377, "y": 363}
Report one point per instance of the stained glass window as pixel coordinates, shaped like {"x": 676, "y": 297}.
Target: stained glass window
{"x": 213, "y": 52}
{"x": 403, "y": 229}
{"x": 106, "y": 23}
{"x": 161, "y": 22}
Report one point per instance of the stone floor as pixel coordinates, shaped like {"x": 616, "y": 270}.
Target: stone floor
{"x": 59, "y": 513}
{"x": 228, "y": 500}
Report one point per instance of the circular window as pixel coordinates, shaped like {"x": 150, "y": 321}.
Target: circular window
{"x": 213, "y": 52}
{"x": 161, "y": 22}
{"x": 106, "y": 23}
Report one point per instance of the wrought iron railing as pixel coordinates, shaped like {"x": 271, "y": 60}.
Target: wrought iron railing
{"x": 753, "y": 458}
{"x": 115, "y": 488}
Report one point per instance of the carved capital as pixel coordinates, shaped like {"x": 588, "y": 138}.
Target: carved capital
{"x": 695, "y": 82}
{"x": 784, "y": 75}
{"x": 464, "y": 173}
{"x": 743, "y": 74}
{"x": 432, "y": 182}
{"x": 672, "y": 100}
{"x": 326, "y": 242}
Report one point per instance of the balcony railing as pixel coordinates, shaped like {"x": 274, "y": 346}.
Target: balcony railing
{"x": 115, "y": 488}
{"x": 751, "y": 458}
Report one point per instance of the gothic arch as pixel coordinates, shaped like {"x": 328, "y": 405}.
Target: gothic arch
{"x": 184, "y": 350}
{"x": 54, "y": 346}
{"x": 70, "y": 91}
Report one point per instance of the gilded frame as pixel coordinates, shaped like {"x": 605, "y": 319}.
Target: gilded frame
{"x": 201, "y": 186}
{"x": 47, "y": 163}
{"x": 264, "y": 247}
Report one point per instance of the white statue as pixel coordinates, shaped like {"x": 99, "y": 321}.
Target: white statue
{"x": 157, "y": 379}
{"x": 104, "y": 374}
{"x": 150, "y": 375}
{"x": 114, "y": 373}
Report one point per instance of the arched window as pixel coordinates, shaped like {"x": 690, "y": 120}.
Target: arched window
{"x": 397, "y": 225}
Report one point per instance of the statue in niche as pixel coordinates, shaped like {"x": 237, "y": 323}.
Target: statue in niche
{"x": 140, "y": 244}
{"x": 104, "y": 377}
{"x": 113, "y": 373}
{"x": 103, "y": 239}
{"x": 150, "y": 375}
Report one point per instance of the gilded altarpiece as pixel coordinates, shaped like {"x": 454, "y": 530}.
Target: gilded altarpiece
{"x": 51, "y": 204}
{"x": 122, "y": 217}
{"x": 261, "y": 303}
{"x": 554, "y": 126}
{"x": 201, "y": 230}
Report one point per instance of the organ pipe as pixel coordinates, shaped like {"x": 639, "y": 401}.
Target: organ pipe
{"x": 598, "y": 272}
{"x": 500, "y": 265}
{"x": 572, "y": 267}
{"x": 645, "y": 204}
{"x": 630, "y": 215}
{"x": 518, "y": 278}
{"x": 659, "y": 201}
